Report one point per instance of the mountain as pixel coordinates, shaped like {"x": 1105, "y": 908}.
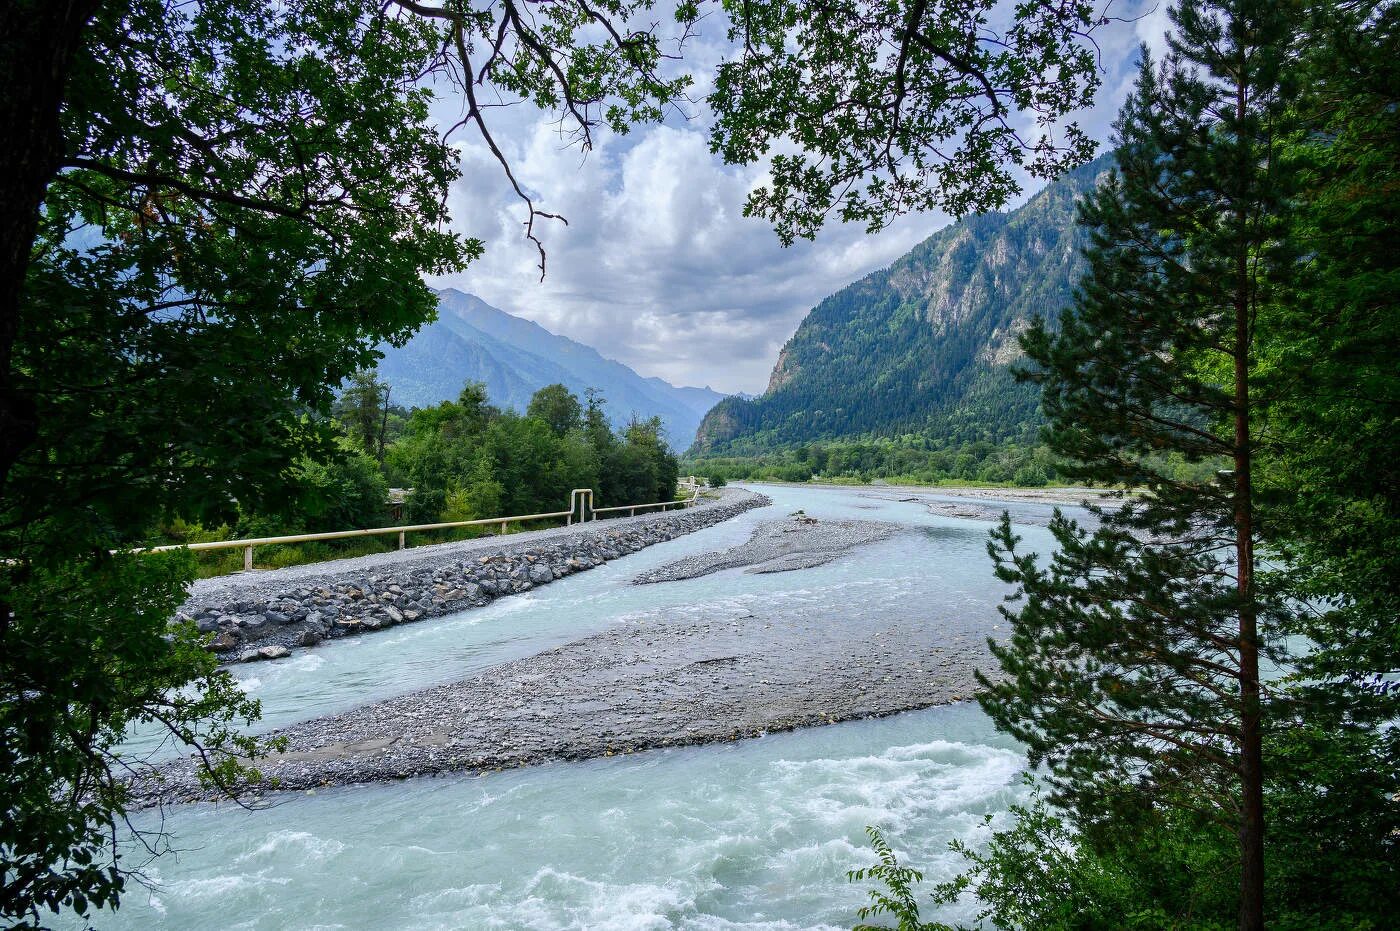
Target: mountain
{"x": 925, "y": 345}
{"x": 473, "y": 341}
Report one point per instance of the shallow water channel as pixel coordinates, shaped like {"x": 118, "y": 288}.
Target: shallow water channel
{"x": 756, "y": 834}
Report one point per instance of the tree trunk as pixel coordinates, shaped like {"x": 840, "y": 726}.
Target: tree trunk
{"x": 1251, "y": 735}
{"x": 38, "y": 39}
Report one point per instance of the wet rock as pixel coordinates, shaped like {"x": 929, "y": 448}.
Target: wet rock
{"x": 224, "y": 642}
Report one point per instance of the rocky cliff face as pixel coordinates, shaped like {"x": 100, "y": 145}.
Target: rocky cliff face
{"x": 926, "y": 344}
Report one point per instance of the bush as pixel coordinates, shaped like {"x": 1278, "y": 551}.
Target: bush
{"x": 1030, "y": 476}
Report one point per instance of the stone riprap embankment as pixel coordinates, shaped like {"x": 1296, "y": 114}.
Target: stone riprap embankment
{"x": 799, "y": 542}
{"x": 265, "y": 615}
{"x": 664, "y": 680}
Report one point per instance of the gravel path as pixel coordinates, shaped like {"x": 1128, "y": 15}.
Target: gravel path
{"x": 780, "y": 546}
{"x": 270, "y": 582}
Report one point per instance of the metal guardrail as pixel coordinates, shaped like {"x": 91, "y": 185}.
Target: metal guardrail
{"x": 580, "y": 502}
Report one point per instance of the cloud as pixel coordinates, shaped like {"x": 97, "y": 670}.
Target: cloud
{"x": 657, "y": 267}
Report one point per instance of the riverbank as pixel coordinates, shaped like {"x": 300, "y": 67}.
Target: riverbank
{"x": 268, "y": 615}
{"x": 1065, "y": 496}
{"x": 647, "y": 684}
{"x": 800, "y": 542}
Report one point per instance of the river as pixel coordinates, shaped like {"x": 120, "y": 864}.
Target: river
{"x": 755, "y": 834}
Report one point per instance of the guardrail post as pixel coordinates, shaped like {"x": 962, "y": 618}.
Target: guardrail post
{"x": 503, "y": 528}
{"x": 247, "y": 559}
{"x": 402, "y": 544}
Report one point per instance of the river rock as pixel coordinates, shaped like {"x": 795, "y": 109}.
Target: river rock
{"x": 412, "y": 585}
{"x": 224, "y": 642}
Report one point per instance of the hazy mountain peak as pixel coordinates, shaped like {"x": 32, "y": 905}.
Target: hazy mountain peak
{"x": 474, "y": 341}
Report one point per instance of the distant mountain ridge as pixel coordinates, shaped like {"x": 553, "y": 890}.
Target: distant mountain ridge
{"x": 515, "y": 357}
{"x": 925, "y": 345}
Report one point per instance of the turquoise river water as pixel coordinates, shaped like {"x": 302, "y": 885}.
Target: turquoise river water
{"x": 756, "y": 834}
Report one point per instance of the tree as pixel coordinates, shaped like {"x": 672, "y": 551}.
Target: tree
{"x": 346, "y": 492}
{"x": 219, "y": 245}
{"x": 210, "y": 213}
{"x": 1133, "y": 667}
{"x": 595, "y": 421}
{"x": 900, "y": 107}
{"x": 558, "y": 407}
{"x": 439, "y": 455}
{"x": 1330, "y": 362}
{"x": 363, "y": 408}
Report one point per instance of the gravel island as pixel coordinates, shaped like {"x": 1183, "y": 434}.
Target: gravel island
{"x": 638, "y": 687}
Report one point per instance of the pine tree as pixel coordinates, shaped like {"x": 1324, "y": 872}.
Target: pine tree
{"x": 1133, "y": 669}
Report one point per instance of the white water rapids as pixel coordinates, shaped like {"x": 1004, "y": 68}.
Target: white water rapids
{"x": 756, "y": 834}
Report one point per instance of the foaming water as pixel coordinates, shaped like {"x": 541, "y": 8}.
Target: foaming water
{"x": 753, "y": 835}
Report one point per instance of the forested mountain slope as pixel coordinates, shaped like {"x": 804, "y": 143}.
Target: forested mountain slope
{"x": 514, "y": 357}
{"x": 925, "y": 345}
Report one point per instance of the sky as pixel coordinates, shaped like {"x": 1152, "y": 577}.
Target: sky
{"x": 657, "y": 267}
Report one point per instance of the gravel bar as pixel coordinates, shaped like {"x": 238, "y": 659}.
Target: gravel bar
{"x": 647, "y": 684}
{"x": 266, "y": 615}
{"x": 799, "y": 542}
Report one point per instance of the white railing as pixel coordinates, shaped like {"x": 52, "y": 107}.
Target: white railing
{"x": 580, "y": 502}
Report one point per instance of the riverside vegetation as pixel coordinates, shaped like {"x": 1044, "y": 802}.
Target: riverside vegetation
{"x": 1239, "y": 307}
{"x": 462, "y": 460}
{"x": 211, "y": 212}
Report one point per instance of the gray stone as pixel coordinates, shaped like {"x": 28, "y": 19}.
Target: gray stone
{"x": 224, "y": 642}
{"x": 274, "y": 652}
{"x": 540, "y": 574}
{"x": 276, "y": 617}
{"x": 394, "y": 614}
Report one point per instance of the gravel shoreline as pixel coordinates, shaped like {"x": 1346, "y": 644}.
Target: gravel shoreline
{"x": 647, "y": 684}
{"x": 799, "y": 542}
{"x": 267, "y": 615}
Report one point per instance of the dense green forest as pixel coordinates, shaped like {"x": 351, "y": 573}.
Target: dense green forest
{"x": 916, "y": 459}
{"x": 459, "y": 460}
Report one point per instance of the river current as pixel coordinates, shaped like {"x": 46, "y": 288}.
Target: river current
{"x": 756, "y": 834}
